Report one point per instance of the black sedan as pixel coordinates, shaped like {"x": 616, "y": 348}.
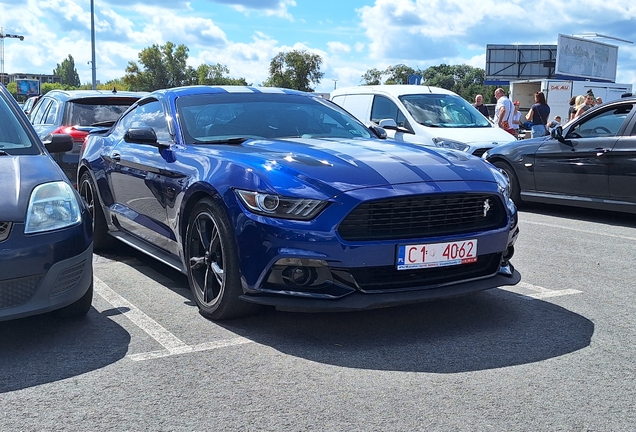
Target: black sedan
{"x": 46, "y": 241}
{"x": 589, "y": 162}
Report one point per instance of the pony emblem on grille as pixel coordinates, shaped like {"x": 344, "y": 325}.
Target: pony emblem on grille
{"x": 486, "y": 207}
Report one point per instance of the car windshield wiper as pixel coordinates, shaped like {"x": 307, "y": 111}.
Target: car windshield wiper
{"x": 230, "y": 140}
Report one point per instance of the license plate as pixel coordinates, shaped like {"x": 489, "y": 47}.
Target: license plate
{"x": 436, "y": 254}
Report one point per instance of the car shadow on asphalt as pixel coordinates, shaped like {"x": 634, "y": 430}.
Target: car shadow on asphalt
{"x": 582, "y": 214}
{"x": 486, "y": 330}
{"x": 42, "y": 349}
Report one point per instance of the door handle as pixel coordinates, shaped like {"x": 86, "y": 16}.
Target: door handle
{"x": 601, "y": 151}
{"x": 115, "y": 156}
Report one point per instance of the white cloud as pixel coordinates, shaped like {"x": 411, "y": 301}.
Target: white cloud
{"x": 338, "y": 47}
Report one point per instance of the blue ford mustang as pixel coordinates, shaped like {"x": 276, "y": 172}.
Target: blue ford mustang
{"x": 274, "y": 197}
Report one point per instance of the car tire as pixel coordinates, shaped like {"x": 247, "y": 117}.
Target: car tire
{"x": 102, "y": 241}
{"x": 77, "y": 309}
{"x": 515, "y": 193}
{"x": 212, "y": 263}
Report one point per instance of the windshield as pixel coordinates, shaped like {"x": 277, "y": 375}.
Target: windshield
{"x": 443, "y": 110}
{"x": 14, "y": 139}
{"x": 213, "y": 118}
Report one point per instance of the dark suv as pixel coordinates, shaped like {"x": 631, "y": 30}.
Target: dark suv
{"x": 77, "y": 112}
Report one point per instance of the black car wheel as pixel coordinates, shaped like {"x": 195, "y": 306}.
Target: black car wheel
{"x": 515, "y": 194}
{"x": 212, "y": 259}
{"x": 101, "y": 239}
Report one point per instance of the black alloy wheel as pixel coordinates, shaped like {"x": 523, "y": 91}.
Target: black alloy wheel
{"x": 212, "y": 260}
{"x": 515, "y": 193}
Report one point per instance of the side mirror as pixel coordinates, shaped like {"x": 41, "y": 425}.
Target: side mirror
{"x": 378, "y": 131}
{"x": 141, "y": 135}
{"x": 388, "y": 124}
{"x": 58, "y": 143}
{"x": 557, "y": 133}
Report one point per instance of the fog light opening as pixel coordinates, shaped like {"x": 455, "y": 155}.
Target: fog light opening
{"x": 299, "y": 276}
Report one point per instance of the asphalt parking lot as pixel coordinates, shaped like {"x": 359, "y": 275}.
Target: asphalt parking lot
{"x": 553, "y": 353}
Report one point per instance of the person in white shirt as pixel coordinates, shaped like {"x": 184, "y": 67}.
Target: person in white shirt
{"x": 503, "y": 111}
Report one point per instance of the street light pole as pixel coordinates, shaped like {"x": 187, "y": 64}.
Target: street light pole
{"x": 93, "y": 69}
{"x": 4, "y": 35}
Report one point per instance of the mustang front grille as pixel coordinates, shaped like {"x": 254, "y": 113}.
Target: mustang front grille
{"x": 423, "y": 216}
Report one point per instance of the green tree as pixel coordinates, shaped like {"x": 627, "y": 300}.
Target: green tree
{"x": 161, "y": 67}
{"x": 295, "y": 70}
{"x": 399, "y": 74}
{"x": 216, "y": 75}
{"x": 466, "y": 81}
{"x": 67, "y": 72}
{"x": 372, "y": 77}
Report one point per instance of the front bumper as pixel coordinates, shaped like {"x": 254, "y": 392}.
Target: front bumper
{"x": 361, "y": 301}
{"x": 44, "y": 272}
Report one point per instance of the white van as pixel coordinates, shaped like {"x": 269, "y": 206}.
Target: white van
{"x": 422, "y": 115}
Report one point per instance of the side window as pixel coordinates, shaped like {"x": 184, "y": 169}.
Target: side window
{"x": 51, "y": 114}
{"x": 605, "y": 123}
{"x": 384, "y": 108}
{"x": 147, "y": 115}
{"x": 40, "y": 110}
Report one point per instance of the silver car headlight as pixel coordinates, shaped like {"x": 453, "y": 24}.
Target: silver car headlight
{"x": 502, "y": 180}
{"x": 451, "y": 144}
{"x": 272, "y": 205}
{"x": 52, "y": 206}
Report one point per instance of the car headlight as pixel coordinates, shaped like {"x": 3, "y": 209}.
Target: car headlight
{"x": 272, "y": 205}
{"x": 452, "y": 144}
{"x": 52, "y": 206}
{"x": 502, "y": 180}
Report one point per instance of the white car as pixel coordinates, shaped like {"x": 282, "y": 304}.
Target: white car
{"x": 424, "y": 115}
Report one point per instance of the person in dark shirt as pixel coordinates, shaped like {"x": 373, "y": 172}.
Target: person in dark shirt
{"x": 480, "y": 106}
{"x": 539, "y": 115}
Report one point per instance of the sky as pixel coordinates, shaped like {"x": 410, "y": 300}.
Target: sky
{"x": 351, "y": 36}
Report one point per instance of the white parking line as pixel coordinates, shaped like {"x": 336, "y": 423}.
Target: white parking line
{"x": 580, "y": 230}
{"x": 537, "y": 292}
{"x": 170, "y": 342}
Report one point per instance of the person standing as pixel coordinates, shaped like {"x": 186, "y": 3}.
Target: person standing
{"x": 590, "y": 100}
{"x": 572, "y": 109}
{"x": 516, "y": 119}
{"x": 503, "y": 111}
{"x": 479, "y": 104}
{"x": 539, "y": 114}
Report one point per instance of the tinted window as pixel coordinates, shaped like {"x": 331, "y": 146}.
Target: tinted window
{"x": 605, "y": 123}
{"x": 384, "y": 108}
{"x": 51, "y": 113}
{"x": 93, "y": 111}
{"x": 147, "y": 115}
{"x": 40, "y": 109}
